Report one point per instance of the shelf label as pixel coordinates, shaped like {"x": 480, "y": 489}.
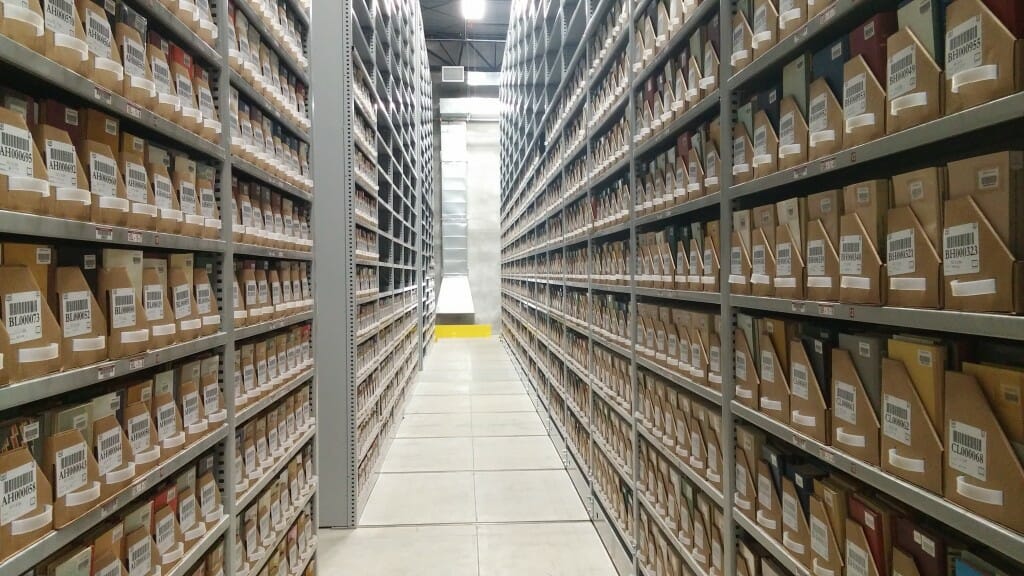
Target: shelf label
{"x": 133, "y": 111}
{"x": 105, "y": 233}
{"x": 106, "y": 372}
{"x": 137, "y": 363}
{"x": 135, "y": 236}
{"x": 103, "y": 95}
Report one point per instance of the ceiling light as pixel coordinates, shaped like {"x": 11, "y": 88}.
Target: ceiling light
{"x": 473, "y": 9}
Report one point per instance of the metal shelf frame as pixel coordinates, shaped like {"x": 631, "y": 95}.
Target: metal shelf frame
{"x": 534, "y": 121}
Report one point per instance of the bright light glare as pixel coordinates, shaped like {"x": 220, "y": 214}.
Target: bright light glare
{"x": 473, "y": 9}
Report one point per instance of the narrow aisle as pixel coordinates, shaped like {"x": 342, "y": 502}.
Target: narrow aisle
{"x": 472, "y": 485}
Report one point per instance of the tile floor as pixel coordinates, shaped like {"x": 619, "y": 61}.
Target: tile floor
{"x": 471, "y": 486}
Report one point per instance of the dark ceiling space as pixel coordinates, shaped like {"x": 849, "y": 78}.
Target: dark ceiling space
{"x": 454, "y": 41}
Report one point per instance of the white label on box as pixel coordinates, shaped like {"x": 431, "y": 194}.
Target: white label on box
{"x": 251, "y": 542}
{"x": 846, "y": 402}
{"x": 264, "y": 296}
{"x": 182, "y": 301}
{"x": 737, "y": 39}
{"x": 741, "y": 366}
{"x": 16, "y": 152}
{"x": 60, "y": 16}
{"x": 248, "y": 377}
{"x": 208, "y": 498}
{"x": 964, "y": 46}
{"x": 761, "y": 19}
{"x": 902, "y": 72}
{"x": 715, "y": 360}
{"x": 161, "y": 76}
{"x": 166, "y": 423}
{"x": 187, "y": 198}
{"x": 856, "y": 560}
{"x": 819, "y": 538}
{"x": 816, "y": 258}
{"x": 208, "y": 202}
{"x": 206, "y": 102}
{"x": 960, "y": 251}
{"x": 153, "y": 298}
{"x": 787, "y": 130}
{"x": 187, "y": 513}
{"x": 988, "y": 179}
{"x": 102, "y": 175}
{"x": 97, "y": 33}
{"x": 850, "y": 260}
{"x": 764, "y": 491}
{"x": 138, "y": 433}
{"x": 163, "y": 192}
{"x": 61, "y": 164}
{"x": 19, "y": 492}
{"x": 736, "y": 261}
{"x": 759, "y": 253}
{"x": 108, "y": 451}
{"x": 140, "y": 557}
{"x": 113, "y": 568}
{"x": 784, "y": 260}
{"x": 968, "y": 449}
{"x": 264, "y": 521}
{"x": 211, "y": 397}
{"x": 204, "y": 295}
{"x": 855, "y": 100}
{"x": 123, "y": 305}
{"x": 134, "y": 54}
{"x": 800, "y": 380}
{"x": 72, "y": 469}
{"x": 741, "y": 478}
{"x": 767, "y": 367}
{"x": 76, "y": 313}
{"x": 818, "y": 114}
{"x": 897, "y": 419}
{"x": 261, "y": 448}
{"x": 23, "y": 317}
{"x": 190, "y": 409}
{"x": 760, "y": 140}
{"x": 900, "y": 252}
{"x": 165, "y": 533}
{"x": 136, "y": 182}
{"x": 250, "y": 460}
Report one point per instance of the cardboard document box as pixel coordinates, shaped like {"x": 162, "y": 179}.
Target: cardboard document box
{"x": 982, "y": 237}
{"x": 765, "y": 146}
{"x": 984, "y": 59}
{"x": 710, "y": 276}
{"x": 913, "y": 263}
{"x": 746, "y": 492}
{"x": 825, "y": 554}
{"x": 65, "y": 38}
{"x": 83, "y": 326}
{"x": 914, "y": 83}
{"x": 23, "y": 175}
{"x": 862, "y": 279}
{"x": 823, "y": 213}
{"x": 863, "y": 103}
{"x": 793, "y": 134}
{"x": 31, "y": 506}
{"x": 789, "y": 248}
{"x": 142, "y": 436}
{"x": 824, "y": 121}
{"x": 739, "y": 253}
{"x": 742, "y": 36}
{"x": 180, "y": 293}
{"x": 167, "y": 419}
{"x": 917, "y": 549}
{"x": 911, "y": 448}
{"x": 981, "y": 470}
{"x": 25, "y": 25}
{"x": 73, "y": 473}
{"x": 114, "y": 457}
{"x": 33, "y": 334}
{"x": 774, "y": 388}
{"x": 809, "y": 409}
{"x": 792, "y": 15}
{"x": 796, "y": 537}
{"x": 855, "y": 423}
{"x": 104, "y": 65}
{"x": 138, "y": 188}
{"x": 765, "y": 26}
{"x": 159, "y": 313}
{"x": 859, "y": 558}
{"x": 69, "y": 184}
{"x": 769, "y": 507}
{"x": 747, "y": 384}
{"x": 762, "y": 251}
{"x": 166, "y": 103}
{"x": 130, "y": 32}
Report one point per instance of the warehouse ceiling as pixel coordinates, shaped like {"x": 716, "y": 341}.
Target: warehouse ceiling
{"x": 454, "y": 41}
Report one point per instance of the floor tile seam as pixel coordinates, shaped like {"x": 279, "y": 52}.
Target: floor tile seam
{"x": 467, "y": 524}
{"x": 474, "y": 470}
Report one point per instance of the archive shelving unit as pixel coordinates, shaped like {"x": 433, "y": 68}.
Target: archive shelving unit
{"x": 27, "y": 70}
{"x": 558, "y": 55}
{"x": 374, "y": 147}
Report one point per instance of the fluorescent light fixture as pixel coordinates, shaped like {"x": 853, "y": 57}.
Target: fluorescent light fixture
{"x": 473, "y": 9}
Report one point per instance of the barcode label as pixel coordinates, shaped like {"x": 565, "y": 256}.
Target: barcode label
{"x": 72, "y": 469}
{"x": 208, "y": 202}
{"x": 19, "y": 495}
{"x": 61, "y": 164}
{"x": 261, "y": 373}
{"x": 854, "y": 96}
{"x": 787, "y": 130}
{"x": 112, "y": 569}
{"x": 102, "y": 175}
{"x": 856, "y": 560}
{"x": 60, "y": 16}
{"x": 264, "y": 292}
{"x": 184, "y": 85}
{"x": 187, "y": 198}
{"x": 136, "y": 182}
{"x": 203, "y": 298}
{"x": 166, "y": 422}
{"x": 819, "y": 538}
{"x": 165, "y": 533}
{"x": 15, "y": 151}
{"x": 740, "y": 361}
{"x": 138, "y": 433}
{"x": 759, "y": 252}
{"x": 960, "y": 251}
{"x": 800, "y": 380}
{"x": 211, "y": 398}
{"x": 140, "y": 558}
{"x": 850, "y": 257}
{"x": 819, "y": 114}
{"x": 153, "y": 296}
{"x": 738, "y": 39}
{"x": 902, "y": 72}
{"x": 108, "y": 451}
{"x": 761, "y": 140}
{"x": 251, "y": 292}
{"x": 790, "y": 509}
{"x": 897, "y": 419}
{"x": 968, "y": 450}
{"x": 964, "y": 46}
{"x": 134, "y": 54}
{"x": 736, "y": 261}
{"x": 187, "y": 513}
{"x": 123, "y": 305}
{"x": 23, "y": 317}
{"x": 767, "y": 367}
{"x": 161, "y": 76}
{"x": 97, "y": 33}
{"x": 761, "y": 19}
{"x": 816, "y": 258}
{"x": 900, "y": 253}
{"x": 163, "y": 192}
{"x": 208, "y": 498}
{"x": 846, "y": 402}
{"x": 250, "y": 460}
{"x": 76, "y": 313}
{"x": 784, "y": 260}
{"x": 190, "y": 409}
{"x": 182, "y": 302}
{"x": 248, "y": 377}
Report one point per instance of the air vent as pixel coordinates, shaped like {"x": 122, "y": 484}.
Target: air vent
{"x": 453, "y": 74}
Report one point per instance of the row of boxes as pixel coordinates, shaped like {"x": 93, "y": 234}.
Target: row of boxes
{"x": 575, "y": 389}
{"x": 257, "y": 138}
{"x": 269, "y": 362}
{"x": 681, "y": 340}
{"x": 263, "y": 217}
{"x": 614, "y": 84}
{"x": 614, "y": 492}
{"x": 685, "y": 79}
{"x": 609, "y": 206}
{"x": 608, "y": 262}
{"x": 612, "y": 28}
{"x": 267, "y": 290}
{"x": 611, "y": 146}
{"x": 683, "y": 258}
{"x": 262, "y": 67}
{"x": 78, "y": 164}
{"x": 73, "y": 454}
{"x": 71, "y": 307}
{"x": 951, "y": 239}
{"x": 934, "y": 412}
{"x": 377, "y": 422}
{"x": 367, "y": 281}
{"x": 262, "y": 530}
{"x": 614, "y": 434}
{"x": 611, "y": 375}
{"x": 152, "y": 534}
{"x": 371, "y": 348}
{"x": 265, "y": 440}
{"x": 279, "y": 19}
{"x": 827, "y": 521}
